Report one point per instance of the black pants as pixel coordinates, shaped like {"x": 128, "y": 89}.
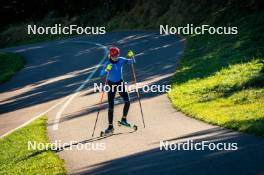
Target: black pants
{"x": 120, "y": 87}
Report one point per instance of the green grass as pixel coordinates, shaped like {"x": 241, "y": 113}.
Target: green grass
{"x": 17, "y": 35}
{"x": 17, "y": 159}
{"x": 220, "y": 79}
{"x": 10, "y": 63}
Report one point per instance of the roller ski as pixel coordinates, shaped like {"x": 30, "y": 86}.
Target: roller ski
{"x": 108, "y": 132}
{"x": 123, "y": 122}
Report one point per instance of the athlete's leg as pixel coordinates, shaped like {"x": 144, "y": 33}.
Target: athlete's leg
{"x": 125, "y": 97}
{"x": 111, "y": 97}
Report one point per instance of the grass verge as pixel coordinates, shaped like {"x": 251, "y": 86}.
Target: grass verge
{"x": 17, "y": 159}
{"x": 10, "y": 63}
{"x": 220, "y": 79}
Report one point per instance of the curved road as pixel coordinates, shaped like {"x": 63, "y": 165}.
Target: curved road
{"x": 58, "y": 82}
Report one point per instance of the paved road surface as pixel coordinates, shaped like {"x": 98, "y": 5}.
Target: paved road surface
{"x": 59, "y": 78}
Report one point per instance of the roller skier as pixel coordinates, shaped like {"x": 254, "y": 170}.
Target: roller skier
{"x": 112, "y": 69}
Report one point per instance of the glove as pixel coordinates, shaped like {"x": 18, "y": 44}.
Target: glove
{"x": 130, "y": 54}
{"x": 108, "y": 67}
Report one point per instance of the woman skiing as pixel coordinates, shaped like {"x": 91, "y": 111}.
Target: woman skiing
{"x": 113, "y": 67}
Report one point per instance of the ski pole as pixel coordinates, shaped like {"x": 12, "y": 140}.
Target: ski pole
{"x": 101, "y": 100}
{"x": 139, "y": 101}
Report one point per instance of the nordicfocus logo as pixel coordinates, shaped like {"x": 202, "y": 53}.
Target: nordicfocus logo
{"x": 190, "y": 29}
{"x": 72, "y": 145}
{"x": 190, "y": 145}
{"x": 124, "y": 87}
{"x": 58, "y": 29}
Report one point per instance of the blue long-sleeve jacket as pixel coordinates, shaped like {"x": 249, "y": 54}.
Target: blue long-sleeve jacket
{"x": 115, "y": 73}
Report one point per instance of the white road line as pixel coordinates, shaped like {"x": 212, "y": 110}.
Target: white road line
{"x": 76, "y": 92}
{"x": 69, "y": 98}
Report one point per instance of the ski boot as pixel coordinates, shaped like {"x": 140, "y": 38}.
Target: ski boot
{"x": 109, "y": 131}
{"x": 123, "y": 122}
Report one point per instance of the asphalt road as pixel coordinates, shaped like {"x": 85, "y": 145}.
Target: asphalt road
{"x": 58, "y": 82}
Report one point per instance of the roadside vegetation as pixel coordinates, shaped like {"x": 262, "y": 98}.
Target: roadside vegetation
{"x": 17, "y": 159}
{"x": 220, "y": 79}
{"x": 115, "y": 15}
{"x": 10, "y": 63}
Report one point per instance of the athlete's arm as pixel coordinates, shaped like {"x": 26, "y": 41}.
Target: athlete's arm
{"x": 103, "y": 71}
{"x": 127, "y": 61}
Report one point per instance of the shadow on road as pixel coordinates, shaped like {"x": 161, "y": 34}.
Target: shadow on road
{"x": 247, "y": 159}
{"x": 90, "y": 141}
{"x": 58, "y": 68}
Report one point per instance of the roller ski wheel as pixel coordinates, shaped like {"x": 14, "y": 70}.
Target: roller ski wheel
{"x": 125, "y": 124}
{"x": 107, "y": 132}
